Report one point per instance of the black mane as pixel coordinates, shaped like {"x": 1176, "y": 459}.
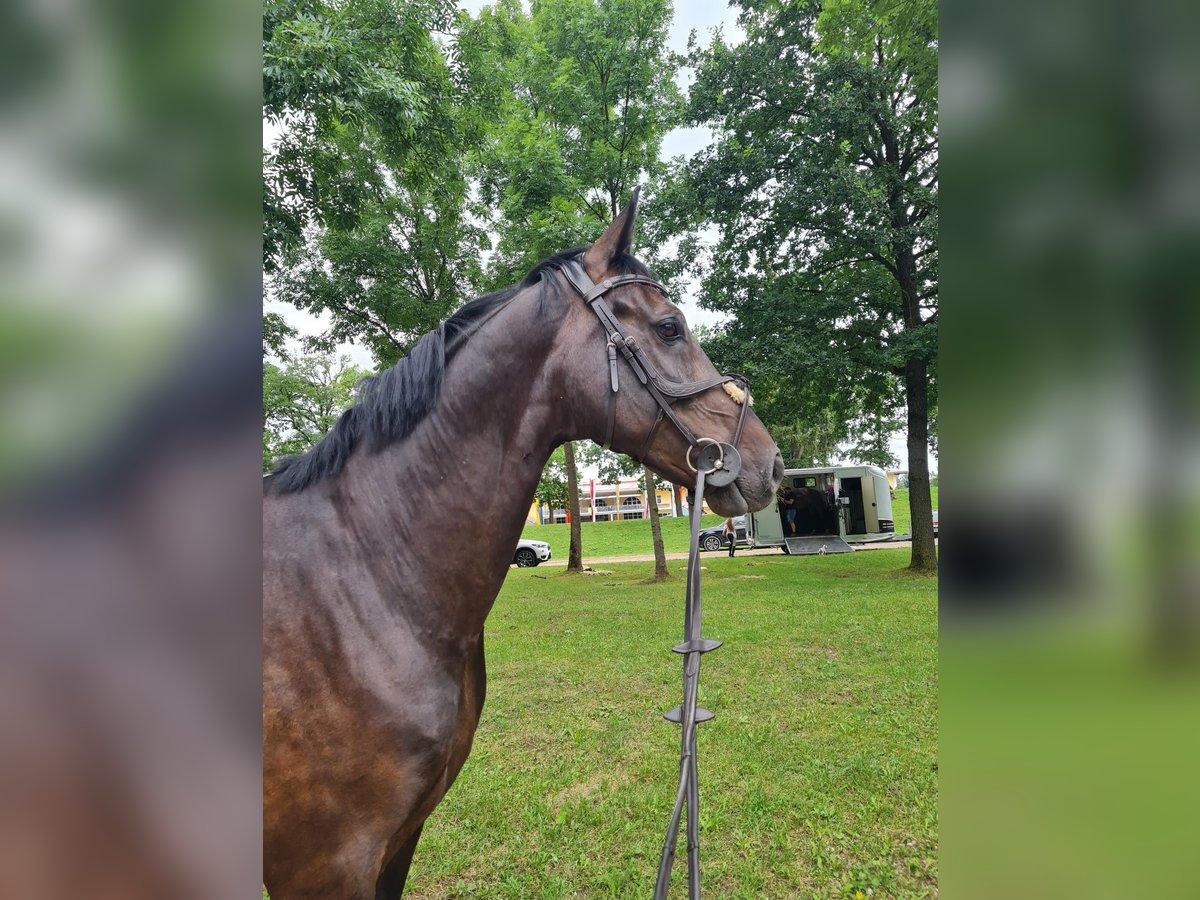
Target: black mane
{"x": 392, "y": 403}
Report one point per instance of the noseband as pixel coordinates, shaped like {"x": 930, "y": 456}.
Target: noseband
{"x": 720, "y": 458}
{"x": 717, "y": 463}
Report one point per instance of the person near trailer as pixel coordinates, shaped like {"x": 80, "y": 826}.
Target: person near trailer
{"x": 788, "y": 499}
{"x": 844, "y": 509}
{"x": 731, "y": 535}
{"x": 831, "y": 509}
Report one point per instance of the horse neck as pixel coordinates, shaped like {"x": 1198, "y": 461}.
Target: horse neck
{"x": 451, "y": 500}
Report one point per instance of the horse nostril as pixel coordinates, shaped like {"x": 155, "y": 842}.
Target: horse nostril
{"x": 777, "y": 468}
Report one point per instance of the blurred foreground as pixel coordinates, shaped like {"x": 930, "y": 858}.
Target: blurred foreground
{"x": 1071, "y": 434}
{"x": 129, "y": 465}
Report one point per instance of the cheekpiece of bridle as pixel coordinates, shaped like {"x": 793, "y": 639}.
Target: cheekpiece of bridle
{"x": 716, "y": 463}
{"x": 724, "y": 463}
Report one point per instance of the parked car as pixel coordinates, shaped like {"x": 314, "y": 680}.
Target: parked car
{"x": 714, "y": 538}
{"x": 935, "y": 524}
{"x": 530, "y": 553}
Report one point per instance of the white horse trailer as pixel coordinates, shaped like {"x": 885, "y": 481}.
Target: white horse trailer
{"x": 835, "y": 507}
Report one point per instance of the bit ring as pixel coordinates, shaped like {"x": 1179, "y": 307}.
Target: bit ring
{"x": 700, "y": 442}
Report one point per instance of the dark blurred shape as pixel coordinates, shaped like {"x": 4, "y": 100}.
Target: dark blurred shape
{"x": 130, "y": 657}
{"x": 1001, "y": 559}
{"x": 130, "y": 465}
{"x": 1071, "y": 200}
{"x": 207, "y": 391}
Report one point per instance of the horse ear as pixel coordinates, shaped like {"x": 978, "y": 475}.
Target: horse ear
{"x": 616, "y": 240}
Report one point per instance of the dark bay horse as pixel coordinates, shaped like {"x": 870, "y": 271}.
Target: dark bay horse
{"x": 374, "y": 601}
{"x": 813, "y": 515}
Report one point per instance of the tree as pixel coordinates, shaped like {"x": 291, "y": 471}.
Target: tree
{"x": 276, "y": 334}
{"x": 559, "y": 487}
{"x": 577, "y": 96}
{"x": 365, "y": 195}
{"x": 806, "y": 441}
{"x": 823, "y": 182}
{"x": 649, "y": 483}
{"x": 301, "y": 401}
{"x": 339, "y": 78}
{"x": 552, "y": 488}
{"x": 614, "y": 466}
{"x": 408, "y": 263}
{"x": 575, "y": 553}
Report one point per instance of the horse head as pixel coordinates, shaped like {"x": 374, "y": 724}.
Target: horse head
{"x": 652, "y": 337}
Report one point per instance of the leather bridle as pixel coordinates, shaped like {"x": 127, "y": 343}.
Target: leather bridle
{"x": 723, "y": 460}
{"x": 718, "y": 464}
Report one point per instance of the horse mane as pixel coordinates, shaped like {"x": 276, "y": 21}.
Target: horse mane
{"x": 393, "y": 402}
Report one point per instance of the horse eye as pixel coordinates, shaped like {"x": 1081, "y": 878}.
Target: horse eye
{"x": 669, "y": 330}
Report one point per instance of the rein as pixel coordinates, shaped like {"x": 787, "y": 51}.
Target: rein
{"x": 717, "y": 464}
{"x": 688, "y": 714}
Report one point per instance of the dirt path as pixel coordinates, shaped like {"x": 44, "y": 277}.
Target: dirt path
{"x": 764, "y": 551}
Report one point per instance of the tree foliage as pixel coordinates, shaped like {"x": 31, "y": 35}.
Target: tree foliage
{"x": 823, "y": 183}
{"x": 301, "y": 401}
{"x": 412, "y": 259}
{"x": 276, "y": 333}
{"x": 577, "y": 96}
{"x": 552, "y": 488}
{"x": 366, "y": 216}
{"x": 573, "y": 98}
{"x": 346, "y": 83}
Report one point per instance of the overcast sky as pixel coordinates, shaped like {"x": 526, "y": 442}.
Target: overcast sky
{"x": 702, "y": 17}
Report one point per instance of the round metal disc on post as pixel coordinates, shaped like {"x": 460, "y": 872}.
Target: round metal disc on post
{"x": 726, "y": 467}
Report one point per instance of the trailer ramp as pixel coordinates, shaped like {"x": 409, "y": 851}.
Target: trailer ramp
{"x": 817, "y": 545}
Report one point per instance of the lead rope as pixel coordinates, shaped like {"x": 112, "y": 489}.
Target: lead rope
{"x": 688, "y": 714}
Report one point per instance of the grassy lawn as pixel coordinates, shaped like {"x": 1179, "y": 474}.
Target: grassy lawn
{"x": 818, "y": 777}
{"x": 900, "y": 512}
{"x": 624, "y": 538}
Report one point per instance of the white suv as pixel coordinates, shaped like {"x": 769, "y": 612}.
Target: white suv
{"x": 530, "y": 553}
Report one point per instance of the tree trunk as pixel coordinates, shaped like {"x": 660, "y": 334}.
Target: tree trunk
{"x": 660, "y": 553}
{"x": 916, "y": 390}
{"x": 916, "y": 385}
{"x": 575, "y": 555}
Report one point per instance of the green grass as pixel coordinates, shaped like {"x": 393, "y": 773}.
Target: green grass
{"x": 623, "y": 538}
{"x": 818, "y": 777}
{"x": 1078, "y": 742}
{"x": 900, "y": 510}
